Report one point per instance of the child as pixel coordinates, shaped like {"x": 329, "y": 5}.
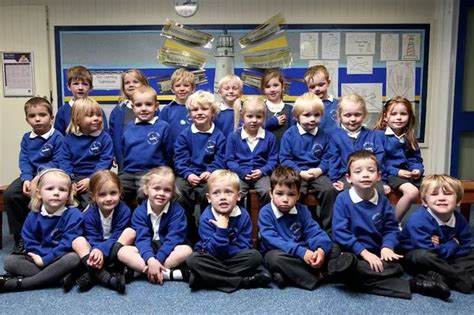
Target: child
{"x": 48, "y": 233}
{"x": 160, "y": 226}
{"x": 176, "y": 114}
{"x": 364, "y": 224}
{"x": 297, "y": 250}
{"x": 146, "y": 143}
{"x": 438, "y": 238}
{"x": 79, "y": 82}
{"x": 105, "y": 232}
{"x": 279, "y": 115}
{"x": 86, "y": 148}
{"x": 351, "y": 137}
{"x": 251, "y": 151}
{"x": 305, "y": 148}
{"x": 230, "y": 89}
{"x": 39, "y": 149}
{"x": 403, "y": 162}
{"x": 317, "y": 81}
{"x": 224, "y": 259}
{"x": 122, "y": 114}
{"x": 199, "y": 150}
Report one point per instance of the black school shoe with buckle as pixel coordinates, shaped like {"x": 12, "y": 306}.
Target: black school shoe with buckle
{"x": 429, "y": 287}
{"x": 259, "y": 280}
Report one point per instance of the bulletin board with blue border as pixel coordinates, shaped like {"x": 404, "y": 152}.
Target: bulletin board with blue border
{"x": 377, "y": 61}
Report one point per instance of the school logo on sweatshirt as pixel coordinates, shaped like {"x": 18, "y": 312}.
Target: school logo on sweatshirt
{"x": 296, "y": 230}
{"x": 56, "y": 235}
{"x": 210, "y": 147}
{"x": 233, "y": 232}
{"x": 333, "y": 115}
{"x": 377, "y": 219}
{"x": 317, "y": 150}
{"x": 187, "y": 121}
{"x": 368, "y": 146}
{"x": 47, "y": 150}
{"x": 153, "y": 137}
{"x": 95, "y": 148}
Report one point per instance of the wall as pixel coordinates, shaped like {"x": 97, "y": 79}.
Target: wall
{"x": 442, "y": 15}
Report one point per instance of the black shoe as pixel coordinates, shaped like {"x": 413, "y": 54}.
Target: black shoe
{"x": 431, "y": 288}
{"x": 117, "y": 283}
{"x": 433, "y": 275}
{"x": 128, "y": 274}
{"x": 19, "y": 247}
{"x": 259, "y": 280}
{"x": 344, "y": 262}
{"x": 67, "y": 282}
{"x": 279, "y": 280}
{"x": 86, "y": 282}
{"x": 3, "y": 280}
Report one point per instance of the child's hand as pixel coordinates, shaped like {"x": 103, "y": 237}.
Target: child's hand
{"x": 27, "y": 188}
{"x": 222, "y": 221}
{"x": 386, "y": 189}
{"x": 318, "y": 258}
{"x": 389, "y": 255}
{"x": 415, "y": 174}
{"x": 404, "y": 174}
{"x": 281, "y": 119}
{"x": 308, "y": 257}
{"x": 193, "y": 180}
{"x": 36, "y": 259}
{"x": 155, "y": 271}
{"x": 96, "y": 258}
{"x": 316, "y": 172}
{"x": 435, "y": 240}
{"x": 338, "y": 185}
{"x": 256, "y": 174}
{"x": 306, "y": 175}
{"x": 374, "y": 261}
{"x": 83, "y": 185}
{"x": 204, "y": 177}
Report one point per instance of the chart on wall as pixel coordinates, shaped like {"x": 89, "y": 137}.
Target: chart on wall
{"x": 377, "y": 61}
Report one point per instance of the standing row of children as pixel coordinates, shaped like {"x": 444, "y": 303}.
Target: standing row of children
{"x": 250, "y": 152}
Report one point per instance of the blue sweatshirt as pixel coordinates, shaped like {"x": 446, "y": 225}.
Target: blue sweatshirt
{"x": 51, "y": 237}
{"x": 172, "y": 231}
{"x": 329, "y": 120}
{"x": 38, "y": 153}
{"x": 398, "y": 155}
{"x": 94, "y": 232}
{"x": 146, "y": 146}
{"x": 421, "y": 226}
{"x": 225, "y": 121}
{"x": 341, "y": 146}
{"x": 86, "y": 154}
{"x": 197, "y": 152}
{"x": 177, "y": 116}
{"x": 225, "y": 243}
{"x": 364, "y": 225}
{"x": 293, "y": 232}
{"x": 304, "y": 151}
{"x": 63, "y": 118}
{"x": 242, "y": 161}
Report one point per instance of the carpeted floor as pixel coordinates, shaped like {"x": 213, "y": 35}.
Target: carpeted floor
{"x": 142, "y": 297}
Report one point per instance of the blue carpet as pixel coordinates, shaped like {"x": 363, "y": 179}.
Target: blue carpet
{"x": 176, "y": 297}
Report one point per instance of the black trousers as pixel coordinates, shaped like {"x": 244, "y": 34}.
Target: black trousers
{"x": 132, "y": 195}
{"x": 458, "y": 271}
{"x": 16, "y": 206}
{"x": 209, "y": 272}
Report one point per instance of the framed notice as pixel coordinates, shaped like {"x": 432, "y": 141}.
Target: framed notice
{"x": 17, "y": 69}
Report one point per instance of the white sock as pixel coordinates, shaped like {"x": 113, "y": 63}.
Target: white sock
{"x": 177, "y": 274}
{"x": 166, "y": 274}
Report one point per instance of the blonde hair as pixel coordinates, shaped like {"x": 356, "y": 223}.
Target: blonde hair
{"x": 144, "y": 89}
{"x": 445, "y": 182}
{"x": 231, "y": 77}
{"x": 184, "y": 76}
{"x": 355, "y": 98}
{"x": 202, "y": 98}
{"x": 409, "y": 129}
{"x": 227, "y": 175}
{"x": 99, "y": 178}
{"x": 161, "y": 171}
{"x": 36, "y": 184}
{"x": 308, "y": 102}
{"x": 254, "y": 103}
{"x": 313, "y": 71}
{"x": 137, "y": 74}
{"x": 82, "y": 108}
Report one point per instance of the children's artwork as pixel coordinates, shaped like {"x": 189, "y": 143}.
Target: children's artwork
{"x": 331, "y": 45}
{"x": 333, "y": 69}
{"x": 309, "y": 45}
{"x": 389, "y": 46}
{"x": 401, "y": 79}
{"x": 410, "y": 46}
{"x": 371, "y": 92}
{"x": 359, "y": 64}
{"x": 360, "y": 43}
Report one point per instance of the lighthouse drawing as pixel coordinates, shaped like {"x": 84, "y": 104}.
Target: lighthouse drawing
{"x": 224, "y": 58}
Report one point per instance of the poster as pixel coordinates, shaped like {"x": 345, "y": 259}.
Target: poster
{"x": 17, "y": 69}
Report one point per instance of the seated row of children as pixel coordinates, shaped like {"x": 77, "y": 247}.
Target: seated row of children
{"x": 365, "y": 251}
